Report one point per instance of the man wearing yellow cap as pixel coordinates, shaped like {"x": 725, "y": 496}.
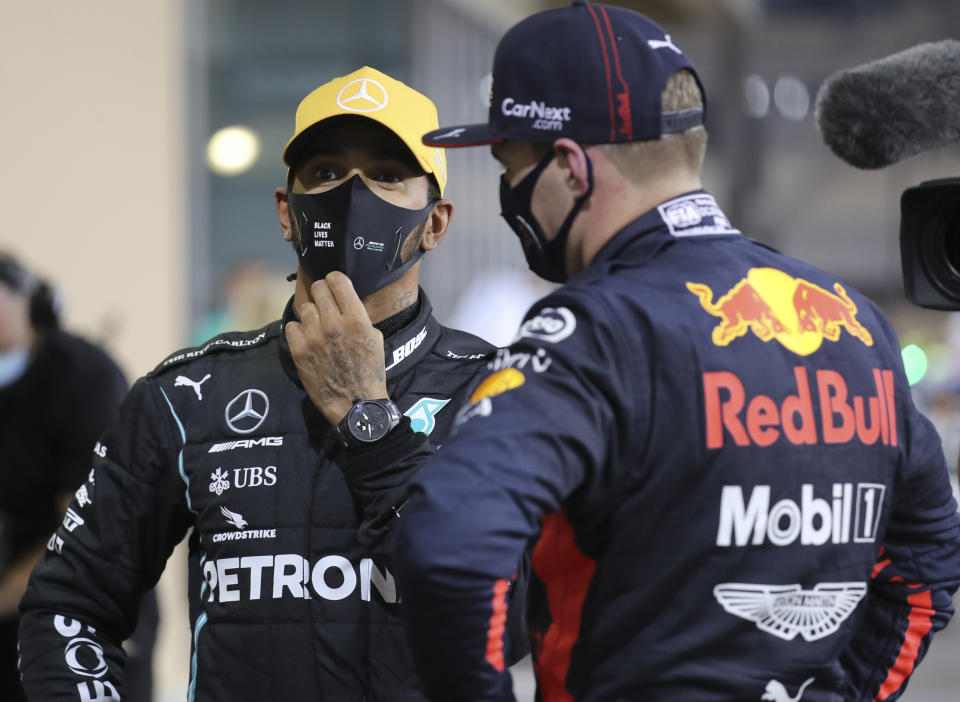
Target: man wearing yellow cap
{"x": 274, "y": 445}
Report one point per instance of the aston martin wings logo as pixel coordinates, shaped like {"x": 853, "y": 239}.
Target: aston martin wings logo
{"x": 787, "y": 610}
{"x": 233, "y": 518}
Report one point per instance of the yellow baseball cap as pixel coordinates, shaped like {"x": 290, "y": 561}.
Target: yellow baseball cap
{"x": 369, "y": 93}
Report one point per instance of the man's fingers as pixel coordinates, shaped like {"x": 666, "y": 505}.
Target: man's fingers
{"x": 295, "y": 338}
{"x": 346, "y": 298}
{"x": 323, "y": 298}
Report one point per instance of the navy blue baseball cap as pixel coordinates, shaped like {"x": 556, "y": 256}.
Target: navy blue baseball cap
{"x": 592, "y": 73}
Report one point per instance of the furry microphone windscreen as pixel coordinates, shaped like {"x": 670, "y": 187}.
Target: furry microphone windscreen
{"x": 884, "y": 111}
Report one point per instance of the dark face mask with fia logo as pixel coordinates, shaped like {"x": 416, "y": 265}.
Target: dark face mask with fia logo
{"x": 352, "y": 230}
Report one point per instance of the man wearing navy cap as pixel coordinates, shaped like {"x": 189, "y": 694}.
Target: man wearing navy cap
{"x": 712, "y": 445}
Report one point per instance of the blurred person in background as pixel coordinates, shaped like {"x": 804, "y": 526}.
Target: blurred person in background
{"x": 255, "y": 439}
{"x": 58, "y": 392}
{"x": 252, "y": 294}
{"x": 714, "y": 445}
{"x": 493, "y": 303}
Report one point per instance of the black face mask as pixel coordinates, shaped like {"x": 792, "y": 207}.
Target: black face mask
{"x": 546, "y": 258}
{"x": 352, "y": 230}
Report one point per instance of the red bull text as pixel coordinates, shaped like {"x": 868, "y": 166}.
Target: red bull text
{"x": 761, "y": 420}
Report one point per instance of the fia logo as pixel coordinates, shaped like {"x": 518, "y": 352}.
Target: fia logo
{"x": 422, "y": 414}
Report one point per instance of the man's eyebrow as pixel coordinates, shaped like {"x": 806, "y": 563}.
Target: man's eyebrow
{"x": 328, "y": 149}
{"x": 389, "y": 151}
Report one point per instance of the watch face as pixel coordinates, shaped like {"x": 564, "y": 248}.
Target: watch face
{"x": 369, "y": 421}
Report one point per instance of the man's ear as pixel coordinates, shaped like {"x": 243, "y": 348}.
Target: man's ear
{"x": 438, "y": 221}
{"x": 282, "y": 201}
{"x": 572, "y": 158}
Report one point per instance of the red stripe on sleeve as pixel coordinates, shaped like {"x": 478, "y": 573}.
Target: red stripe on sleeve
{"x": 920, "y": 622}
{"x": 498, "y": 620}
{"x": 566, "y": 573}
{"x": 878, "y": 566}
{"x": 606, "y": 66}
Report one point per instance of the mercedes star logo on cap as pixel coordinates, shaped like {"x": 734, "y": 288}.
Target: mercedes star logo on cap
{"x": 362, "y": 95}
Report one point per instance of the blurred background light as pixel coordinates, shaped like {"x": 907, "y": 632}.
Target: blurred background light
{"x": 232, "y": 150}
{"x": 486, "y": 89}
{"x": 792, "y": 98}
{"x": 914, "y": 363}
{"x": 757, "y": 96}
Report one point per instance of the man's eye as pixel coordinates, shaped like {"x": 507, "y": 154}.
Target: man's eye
{"x": 325, "y": 174}
{"x": 390, "y": 178}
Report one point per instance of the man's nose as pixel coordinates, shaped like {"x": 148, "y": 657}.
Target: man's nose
{"x": 358, "y": 171}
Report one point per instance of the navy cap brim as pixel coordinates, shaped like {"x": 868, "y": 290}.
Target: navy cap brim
{"x": 462, "y": 135}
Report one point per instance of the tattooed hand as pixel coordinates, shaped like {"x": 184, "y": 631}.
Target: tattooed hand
{"x": 337, "y": 351}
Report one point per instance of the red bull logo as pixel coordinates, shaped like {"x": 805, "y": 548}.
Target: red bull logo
{"x": 774, "y": 305}
{"x": 834, "y": 417}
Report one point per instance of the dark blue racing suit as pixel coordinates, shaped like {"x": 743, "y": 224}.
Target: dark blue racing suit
{"x": 732, "y": 494}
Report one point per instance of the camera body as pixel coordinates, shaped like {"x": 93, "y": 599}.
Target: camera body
{"x": 930, "y": 244}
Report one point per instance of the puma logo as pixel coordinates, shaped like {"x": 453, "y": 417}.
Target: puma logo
{"x": 183, "y": 380}
{"x": 666, "y": 43}
{"x": 776, "y": 692}
{"x": 452, "y": 134}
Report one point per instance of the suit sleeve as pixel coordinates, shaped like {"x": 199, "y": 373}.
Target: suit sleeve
{"x": 378, "y": 476}
{"x": 84, "y": 595}
{"x": 917, "y": 571}
{"x": 95, "y": 390}
{"x": 537, "y": 429}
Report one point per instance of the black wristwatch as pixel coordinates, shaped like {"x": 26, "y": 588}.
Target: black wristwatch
{"x": 368, "y": 421}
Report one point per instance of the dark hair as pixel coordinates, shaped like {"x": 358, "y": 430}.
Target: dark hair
{"x": 433, "y": 190}
{"x": 44, "y": 301}
{"x": 639, "y": 159}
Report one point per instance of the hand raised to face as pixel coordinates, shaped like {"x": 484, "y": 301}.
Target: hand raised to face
{"x": 336, "y": 349}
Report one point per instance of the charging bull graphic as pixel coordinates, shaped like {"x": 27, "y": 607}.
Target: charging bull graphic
{"x": 774, "y": 305}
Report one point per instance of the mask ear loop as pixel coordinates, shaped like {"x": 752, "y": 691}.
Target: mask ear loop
{"x": 533, "y": 176}
{"x": 559, "y": 242}
{"x": 521, "y": 193}
{"x": 568, "y": 222}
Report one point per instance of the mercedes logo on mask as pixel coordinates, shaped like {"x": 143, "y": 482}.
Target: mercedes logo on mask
{"x": 358, "y": 243}
{"x": 247, "y": 411}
